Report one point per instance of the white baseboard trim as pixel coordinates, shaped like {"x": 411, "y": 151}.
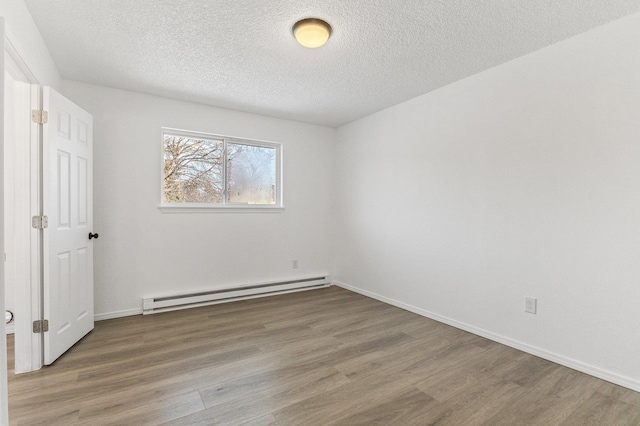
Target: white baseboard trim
{"x": 600, "y": 373}
{"x": 118, "y": 314}
{"x": 10, "y": 328}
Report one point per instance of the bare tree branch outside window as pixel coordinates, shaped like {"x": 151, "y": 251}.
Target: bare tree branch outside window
{"x": 192, "y": 170}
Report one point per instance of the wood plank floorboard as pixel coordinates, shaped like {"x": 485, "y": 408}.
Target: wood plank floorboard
{"x": 323, "y": 357}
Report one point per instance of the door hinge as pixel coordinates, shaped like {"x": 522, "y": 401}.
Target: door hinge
{"x": 41, "y": 326}
{"x": 39, "y": 116}
{"x": 39, "y": 222}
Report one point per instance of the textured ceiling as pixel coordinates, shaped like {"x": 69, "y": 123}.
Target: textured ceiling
{"x": 241, "y": 54}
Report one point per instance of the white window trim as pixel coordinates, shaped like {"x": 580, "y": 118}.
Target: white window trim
{"x": 222, "y": 208}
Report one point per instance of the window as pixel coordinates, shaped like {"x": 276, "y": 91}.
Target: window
{"x": 203, "y": 171}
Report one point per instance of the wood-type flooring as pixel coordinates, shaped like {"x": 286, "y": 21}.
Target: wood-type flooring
{"x": 322, "y": 357}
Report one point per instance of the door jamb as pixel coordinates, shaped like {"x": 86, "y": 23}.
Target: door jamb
{"x": 28, "y": 300}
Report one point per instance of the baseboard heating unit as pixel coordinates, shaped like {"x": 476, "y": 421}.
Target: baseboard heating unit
{"x": 154, "y": 305}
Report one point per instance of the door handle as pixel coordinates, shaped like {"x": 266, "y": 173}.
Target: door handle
{"x": 93, "y": 235}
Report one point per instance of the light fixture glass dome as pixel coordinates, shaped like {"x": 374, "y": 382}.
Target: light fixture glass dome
{"x": 312, "y": 32}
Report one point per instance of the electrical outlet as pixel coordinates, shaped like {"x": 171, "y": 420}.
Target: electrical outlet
{"x": 531, "y": 305}
{"x": 294, "y": 263}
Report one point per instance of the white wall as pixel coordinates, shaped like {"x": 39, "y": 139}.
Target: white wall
{"x": 24, "y": 36}
{"x": 142, "y": 252}
{"x": 523, "y": 180}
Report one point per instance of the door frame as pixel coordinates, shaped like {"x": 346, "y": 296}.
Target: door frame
{"x": 28, "y": 299}
{"x": 4, "y": 397}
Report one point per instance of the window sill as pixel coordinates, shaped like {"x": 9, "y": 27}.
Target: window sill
{"x": 169, "y": 208}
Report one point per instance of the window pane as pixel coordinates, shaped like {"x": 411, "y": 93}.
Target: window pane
{"x": 192, "y": 170}
{"x": 251, "y": 174}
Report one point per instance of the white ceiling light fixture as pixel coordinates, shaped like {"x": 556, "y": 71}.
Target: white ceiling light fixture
{"x": 311, "y": 32}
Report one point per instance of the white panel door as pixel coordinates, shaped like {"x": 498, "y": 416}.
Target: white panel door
{"x": 68, "y": 203}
